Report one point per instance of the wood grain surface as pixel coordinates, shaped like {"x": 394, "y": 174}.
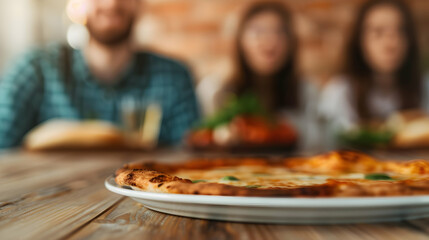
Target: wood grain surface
{"x": 61, "y": 196}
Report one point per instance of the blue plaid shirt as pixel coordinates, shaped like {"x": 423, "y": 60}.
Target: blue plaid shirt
{"x": 57, "y": 83}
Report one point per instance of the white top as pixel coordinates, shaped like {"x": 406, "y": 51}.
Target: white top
{"x": 337, "y": 109}
{"x": 382, "y": 104}
{"x": 336, "y": 104}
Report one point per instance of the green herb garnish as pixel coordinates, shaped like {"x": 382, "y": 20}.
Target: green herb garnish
{"x": 378, "y": 176}
{"x": 246, "y": 104}
{"x": 197, "y": 181}
{"x": 230, "y": 178}
{"x": 253, "y": 186}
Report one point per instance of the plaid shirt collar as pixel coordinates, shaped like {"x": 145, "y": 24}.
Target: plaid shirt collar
{"x": 126, "y": 78}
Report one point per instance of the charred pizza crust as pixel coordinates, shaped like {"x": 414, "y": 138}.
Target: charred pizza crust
{"x": 157, "y": 177}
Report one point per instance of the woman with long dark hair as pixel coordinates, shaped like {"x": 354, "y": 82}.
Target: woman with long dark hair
{"x": 263, "y": 89}
{"x": 265, "y": 48}
{"x": 263, "y": 61}
{"x": 381, "y": 73}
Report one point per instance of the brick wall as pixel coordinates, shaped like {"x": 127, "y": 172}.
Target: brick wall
{"x": 200, "y": 31}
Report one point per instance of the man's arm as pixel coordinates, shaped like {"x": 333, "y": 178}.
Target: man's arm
{"x": 185, "y": 111}
{"x": 20, "y": 97}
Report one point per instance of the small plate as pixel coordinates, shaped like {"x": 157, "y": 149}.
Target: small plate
{"x": 281, "y": 210}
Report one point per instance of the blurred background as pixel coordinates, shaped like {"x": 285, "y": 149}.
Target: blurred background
{"x": 199, "y": 32}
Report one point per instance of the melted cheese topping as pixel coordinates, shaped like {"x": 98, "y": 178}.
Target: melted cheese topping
{"x": 261, "y": 177}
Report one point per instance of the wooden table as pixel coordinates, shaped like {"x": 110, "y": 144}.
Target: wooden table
{"x": 62, "y": 196}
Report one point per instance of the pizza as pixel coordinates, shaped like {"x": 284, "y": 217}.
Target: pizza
{"x": 334, "y": 174}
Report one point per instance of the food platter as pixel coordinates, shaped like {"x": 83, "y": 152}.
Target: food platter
{"x": 280, "y": 210}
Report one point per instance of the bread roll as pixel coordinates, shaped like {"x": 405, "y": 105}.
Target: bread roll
{"x": 397, "y": 121}
{"x": 69, "y": 134}
{"x": 414, "y": 134}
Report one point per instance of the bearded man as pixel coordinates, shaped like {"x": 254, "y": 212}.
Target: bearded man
{"x": 60, "y": 82}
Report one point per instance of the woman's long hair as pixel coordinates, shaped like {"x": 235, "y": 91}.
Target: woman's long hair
{"x": 407, "y": 76}
{"x": 285, "y": 87}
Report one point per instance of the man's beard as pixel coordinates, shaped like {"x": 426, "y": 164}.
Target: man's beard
{"x": 110, "y": 38}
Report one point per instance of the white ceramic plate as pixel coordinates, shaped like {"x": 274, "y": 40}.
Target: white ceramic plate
{"x": 281, "y": 210}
